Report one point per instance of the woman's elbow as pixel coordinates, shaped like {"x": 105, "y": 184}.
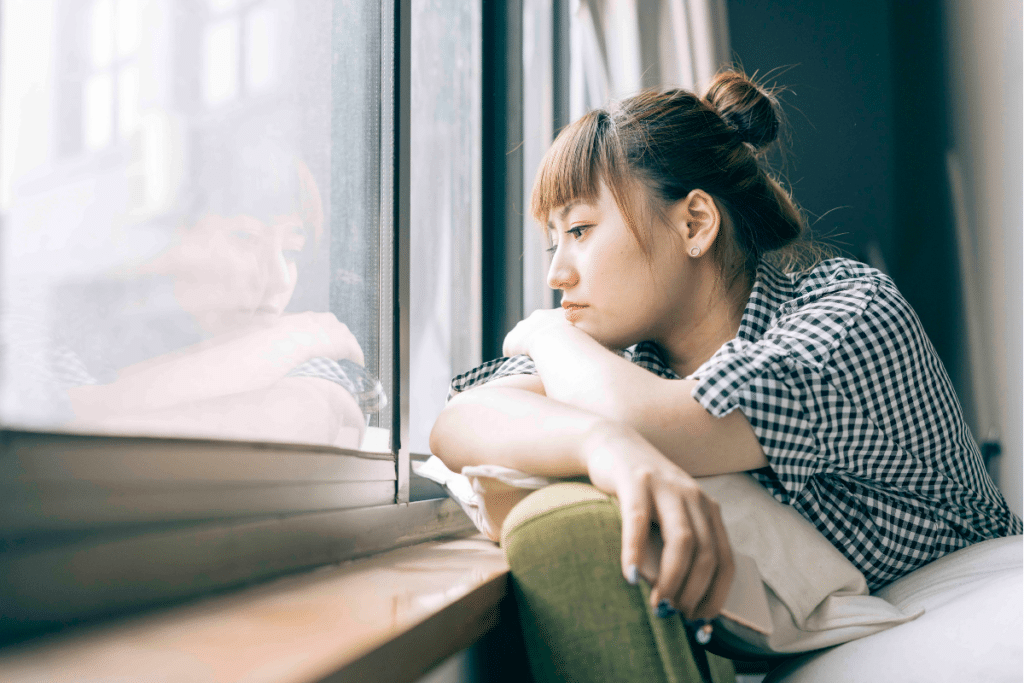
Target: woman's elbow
{"x": 441, "y": 439}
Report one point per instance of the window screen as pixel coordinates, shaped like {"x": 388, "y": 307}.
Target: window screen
{"x": 190, "y": 197}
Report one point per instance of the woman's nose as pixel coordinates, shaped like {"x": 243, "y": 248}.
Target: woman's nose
{"x": 562, "y": 274}
{"x": 278, "y": 273}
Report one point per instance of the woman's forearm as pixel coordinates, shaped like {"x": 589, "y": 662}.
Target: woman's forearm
{"x": 235, "y": 363}
{"x": 515, "y": 428}
{"x": 578, "y": 371}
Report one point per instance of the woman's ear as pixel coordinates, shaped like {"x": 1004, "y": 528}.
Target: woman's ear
{"x": 697, "y": 220}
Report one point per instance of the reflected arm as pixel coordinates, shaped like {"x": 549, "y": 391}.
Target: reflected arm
{"x": 294, "y": 409}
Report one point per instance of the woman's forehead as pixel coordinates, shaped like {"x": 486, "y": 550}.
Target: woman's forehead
{"x": 561, "y": 213}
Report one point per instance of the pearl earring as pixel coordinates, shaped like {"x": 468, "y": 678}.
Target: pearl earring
{"x": 695, "y": 251}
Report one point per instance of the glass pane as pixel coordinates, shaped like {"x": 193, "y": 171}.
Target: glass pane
{"x": 98, "y": 115}
{"x": 220, "y": 61}
{"x": 260, "y": 48}
{"x": 445, "y": 204}
{"x": 196, "y": 279}
{"x": 128, "y": 100}
{"x": 538, "y": 132}
{"x": 221, "y": 5}
{"x": 128, "y": 17}
{"x": 101, "y": 37}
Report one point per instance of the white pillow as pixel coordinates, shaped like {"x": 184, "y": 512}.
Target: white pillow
{"x": 971, "y": 632}
{"x": 793, "y": 590}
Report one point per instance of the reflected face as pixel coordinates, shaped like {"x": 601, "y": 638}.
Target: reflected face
{"x": 236, "y": 271}
{"x": 611, "y": 289}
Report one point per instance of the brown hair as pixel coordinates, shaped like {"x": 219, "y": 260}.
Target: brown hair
{"x": 653, "y": 149}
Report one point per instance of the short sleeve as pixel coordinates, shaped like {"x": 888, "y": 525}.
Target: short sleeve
{"x": 352, "y": 377}
{"x": 492, "y": 370}
{"x": 775, "y": 394}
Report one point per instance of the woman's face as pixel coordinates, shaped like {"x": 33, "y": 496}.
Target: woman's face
{"x": 611, "y": 289}
{"x": 238, "y": 270}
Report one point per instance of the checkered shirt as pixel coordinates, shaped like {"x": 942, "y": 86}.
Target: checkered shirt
{"x": 863, "y": 433}
{"x": 352, "y": 377}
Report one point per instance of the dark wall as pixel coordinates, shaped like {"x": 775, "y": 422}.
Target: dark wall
{"x": 868, "y": 136}
{"x": 835, "y": 59}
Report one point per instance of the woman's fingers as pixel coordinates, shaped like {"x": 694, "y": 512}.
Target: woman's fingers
{"x": 679, "y": 550}
{"x": 703, "y": 569}
{"x": 636, "y": 526}
{"x": 695, "y": 568}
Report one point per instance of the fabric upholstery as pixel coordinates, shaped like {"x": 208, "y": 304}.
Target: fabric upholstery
{"x": 581, "y": 621}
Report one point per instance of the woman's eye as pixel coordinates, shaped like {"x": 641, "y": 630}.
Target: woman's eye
{"x": 577, "y": 231}
{"x": 552, "y": 249}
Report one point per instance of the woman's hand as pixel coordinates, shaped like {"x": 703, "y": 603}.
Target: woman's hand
{"x": 294, "y": 339}
{"x": 522, "y": 335}
{"x": 696, "y": 565}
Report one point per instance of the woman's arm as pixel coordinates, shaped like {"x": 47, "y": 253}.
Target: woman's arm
{"x": 524, "y": 430}
{"x": 241, "y": 363}
{"x": 499, "y": 424}
{"x": 293, "y": 410}
{"x": 578, "y": 371}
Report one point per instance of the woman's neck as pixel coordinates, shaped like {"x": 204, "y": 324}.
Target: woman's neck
{"x": 712, "y": 320}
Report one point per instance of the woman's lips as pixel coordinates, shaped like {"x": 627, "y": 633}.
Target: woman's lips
{"x": 573, "y": 311}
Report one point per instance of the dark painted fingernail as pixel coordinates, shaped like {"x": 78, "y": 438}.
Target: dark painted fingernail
{"x": 665, "y": 610}
{"x": 632, "y": 574}
{"x": 695, "y": 624}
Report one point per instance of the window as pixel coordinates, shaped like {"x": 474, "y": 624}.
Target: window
{"x": 204, "y": 305}
{"x": 245, "y": 246}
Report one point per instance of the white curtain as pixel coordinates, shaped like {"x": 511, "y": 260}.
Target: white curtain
{"x": 622, "y": 46}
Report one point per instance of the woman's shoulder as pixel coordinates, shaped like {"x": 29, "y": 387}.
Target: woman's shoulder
{"x": 813, "y": 311}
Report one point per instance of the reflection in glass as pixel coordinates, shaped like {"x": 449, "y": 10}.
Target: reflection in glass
{"x": 128, "y": 100}
{"x": 220, "y": 61}
{"x": 99, "y": 120}
{"x": 181, "y": 283}
{"x": 102, "y": 38}
{"x": 260, "y": 48}
{"x": 128, "y": 26}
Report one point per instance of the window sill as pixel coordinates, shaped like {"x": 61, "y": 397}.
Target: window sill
{"x": 389, "y": 617}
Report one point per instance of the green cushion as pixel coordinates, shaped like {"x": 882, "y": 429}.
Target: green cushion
{"x": 581, "y": 620}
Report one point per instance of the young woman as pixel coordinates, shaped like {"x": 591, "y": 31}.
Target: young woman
{"x": 669, "y": 233}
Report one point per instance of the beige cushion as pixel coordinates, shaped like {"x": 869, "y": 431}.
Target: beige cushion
{"x": 816, "y": 597}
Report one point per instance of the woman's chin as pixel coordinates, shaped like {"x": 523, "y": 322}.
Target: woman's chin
{"x": 606, "y": 338}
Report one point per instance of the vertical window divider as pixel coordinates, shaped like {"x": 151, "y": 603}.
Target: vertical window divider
{"x": 502, "y": 171}
{"x": 560, "y": 64}
{"x": 397, "y": 42}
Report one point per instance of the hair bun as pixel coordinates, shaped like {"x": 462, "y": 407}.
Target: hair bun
{"x": 745, "y": 107}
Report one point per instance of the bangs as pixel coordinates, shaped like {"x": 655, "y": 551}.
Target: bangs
{"x": 583, "y": 155}
{"x": 573, "y": 167}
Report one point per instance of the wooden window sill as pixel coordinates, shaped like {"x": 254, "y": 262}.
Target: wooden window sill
{"x": 389, "y": 617}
